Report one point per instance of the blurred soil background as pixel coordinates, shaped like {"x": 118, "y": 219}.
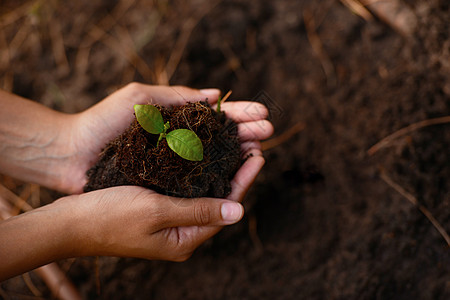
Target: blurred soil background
{"x": 325, "y": 220}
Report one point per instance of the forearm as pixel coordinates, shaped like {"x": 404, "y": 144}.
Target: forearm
{"x": 36, "y": 238}
{"x": 32, "y": 145}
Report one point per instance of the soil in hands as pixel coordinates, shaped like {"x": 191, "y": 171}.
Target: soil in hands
{"x": 133, "y": 158}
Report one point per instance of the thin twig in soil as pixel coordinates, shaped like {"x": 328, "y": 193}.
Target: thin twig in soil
{"x": 226, "y": 97}
{"x": 285, "y": 136}
{"x": 27, "y": 279}
{"x": 6, "y": 57}
{"x": 13, "y": 199}
{"x": 22, "y": 35}
{"x": 234, "y": 62}
{"x": 394, "y": 13}
{"x": 139, "y": 63}
{"x": 26, "y": 193}
{"x": 175, "y": 56}
{"x": 16, "y": 14}
{"x": 94, "y": 35}
{"x": 5, "y": 60}
{"x": 106, "y": 23}
{"x": 35, "y": 199}
{"x": 414, "y": 201}
{"x": 181, "y": 43}
{"x": 253, "y": 232}
{"x": 59, "y": 52}
{"x": 130, "y": 55}
{"x": 61, "y": 287}
{"x": 318, "y": 48}
{"x": 359, "y": 9}
{"x": 406, "y": 130}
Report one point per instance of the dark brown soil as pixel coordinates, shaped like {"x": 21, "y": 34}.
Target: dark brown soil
{"x": 133, "y": 158}
{"x": 319, "y": 223}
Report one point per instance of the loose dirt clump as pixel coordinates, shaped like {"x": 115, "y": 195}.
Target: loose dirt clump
{"x": 133, "y": 158}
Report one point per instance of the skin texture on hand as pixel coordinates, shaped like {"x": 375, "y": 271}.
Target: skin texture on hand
{"x": 33, "y": 141}
{"x": 121, "y": 221}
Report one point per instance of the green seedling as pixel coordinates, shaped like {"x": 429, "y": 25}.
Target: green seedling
{"x": 183, "y": 142}
{"x": 222, "y": 100}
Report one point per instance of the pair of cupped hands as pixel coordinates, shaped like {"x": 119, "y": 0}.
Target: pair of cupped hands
{"x": 131, "y": 221}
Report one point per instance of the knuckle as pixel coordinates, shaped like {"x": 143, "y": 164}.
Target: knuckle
{"x": 133, "y": 86}
{"x": 159, "y": 213}
{"x": 182, "y": 257}
{"x": 181, "y": 251}
{"x": 136, "y": 91}
{"x": 202, "y": 214}
{"x": 181, "y": 88}
{"x": 159, "y": 216}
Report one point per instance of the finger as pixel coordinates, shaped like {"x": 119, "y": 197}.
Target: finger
{"x": 170, "y": 95}
{"x": 256, "y": 130}
{"x": 200, "y": 212}
{"x": 178, "y": 243}
{"x": 193, "y": 236}
{"x": 179, "y": 95}
{"x": 137, "y": 93}
{"x": 244, "y": 111}
{"x": 246, "y": 175}
{"x": 248, "y": 146}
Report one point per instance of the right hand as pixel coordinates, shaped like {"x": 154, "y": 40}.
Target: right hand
{"x": 131, "y": 221}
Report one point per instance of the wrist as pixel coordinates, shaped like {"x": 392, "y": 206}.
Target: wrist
{"x": 69, "y": 235}
{"x": 85, "y": 224}
{"x": 66, "y": 173}
{"x": 35, "y": 141}
{"x": 36, "y": 238}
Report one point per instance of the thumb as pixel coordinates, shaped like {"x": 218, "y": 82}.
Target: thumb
{"x": 203, "y": 212}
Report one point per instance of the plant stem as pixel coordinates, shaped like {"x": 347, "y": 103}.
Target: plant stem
{"x": 222, "y": 100}
{"x": 160, "y": 138}
{"x": 164, "y": 133}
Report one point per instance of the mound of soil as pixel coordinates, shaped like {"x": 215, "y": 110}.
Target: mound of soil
{"x": 133, "y": 158}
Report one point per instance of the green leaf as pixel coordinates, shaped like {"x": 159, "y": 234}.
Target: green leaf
{"x": 219, "y": 102}
{"x": 150, "y": 118}
{"x": 186, "y": 144}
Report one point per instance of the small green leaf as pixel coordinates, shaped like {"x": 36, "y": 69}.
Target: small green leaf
{"x": 150, "y": 118}
{"x": 186, "y": 144}
{"x": 219, "y": 102}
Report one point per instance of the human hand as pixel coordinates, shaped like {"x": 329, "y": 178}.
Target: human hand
{"x": 137, "y": 222}
{"x": 192, "y": 221}
{"x": 127, "y": 221}
{"x": 131, "y": 221}
{"x": 92, "y": 129}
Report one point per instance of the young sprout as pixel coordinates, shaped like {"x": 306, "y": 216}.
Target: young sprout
{"x": 222, "y": 100}
{"x": 183, "y": 142}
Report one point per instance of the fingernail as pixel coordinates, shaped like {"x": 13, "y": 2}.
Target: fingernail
{"x": 231, "y": 212}
{"x": 210, "y": 92}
